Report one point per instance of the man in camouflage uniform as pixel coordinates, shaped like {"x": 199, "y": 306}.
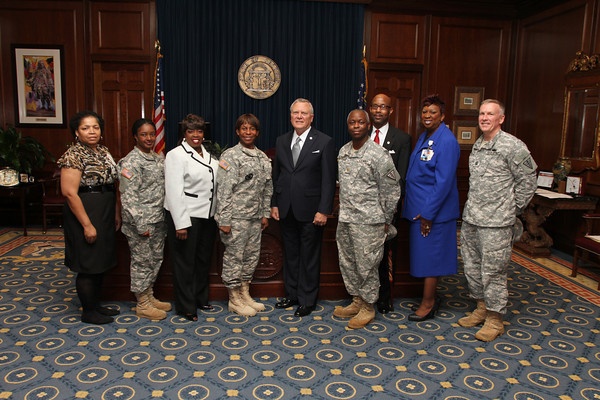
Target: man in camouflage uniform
{"x": 369, "y": 193}
{"x": 142, "y": 190}
{"x": 244, "y": 190}
{"x": 501, "y": 184}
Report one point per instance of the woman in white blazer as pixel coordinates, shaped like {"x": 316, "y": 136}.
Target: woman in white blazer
{"x": 190, "y": 201}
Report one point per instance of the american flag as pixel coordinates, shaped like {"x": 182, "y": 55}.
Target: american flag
{"x": 362, "y": 89}
{"x": 159, "y": 108}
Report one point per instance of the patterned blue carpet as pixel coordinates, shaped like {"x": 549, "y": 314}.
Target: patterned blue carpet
{"x": 550, "y": 349}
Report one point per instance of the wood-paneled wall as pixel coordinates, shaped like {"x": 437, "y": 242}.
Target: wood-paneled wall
{"x": 108, "y": 57}
{"x": 109, "y": 61}
{"x": 45, "y": 23}
{"x": 437, "y": 55}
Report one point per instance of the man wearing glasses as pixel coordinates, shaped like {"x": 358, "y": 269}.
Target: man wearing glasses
{"x": 398, "y": 144}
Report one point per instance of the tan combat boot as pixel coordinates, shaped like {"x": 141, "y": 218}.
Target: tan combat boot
{"x": 350, "y": 310}
{"x": 492, "y": 328}
{"x": 246, "y": 298}
{"x": 477, "y": 317}
{"x": 161, "y": 305}
{"x": 237, "y": 305}
{"x": 364, "y": 316}
{"x": 145, "y": 309}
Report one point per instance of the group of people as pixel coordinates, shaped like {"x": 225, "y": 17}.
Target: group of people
{"x": 192, "y": 194}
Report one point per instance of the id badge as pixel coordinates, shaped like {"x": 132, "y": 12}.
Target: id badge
{"x": 426, "y": 154}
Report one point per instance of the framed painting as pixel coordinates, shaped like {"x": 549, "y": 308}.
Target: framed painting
{"x": 467, "y": 100}
{"x": 39, "y": 85}
{"x": 466, "y": 131}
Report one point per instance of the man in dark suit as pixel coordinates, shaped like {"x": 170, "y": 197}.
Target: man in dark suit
{"x": 398, "y": 144}
{"x": 304, "y": 173}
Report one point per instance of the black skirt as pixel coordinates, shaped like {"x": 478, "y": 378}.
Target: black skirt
{"x": 100, "y": 256}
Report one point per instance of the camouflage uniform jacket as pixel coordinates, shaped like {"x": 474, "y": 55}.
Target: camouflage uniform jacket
{"x": 142, "y": 188}
{"x": 369, "y": 184}
{"x": 502, "y": 181}
{"x": 244, "y": 185}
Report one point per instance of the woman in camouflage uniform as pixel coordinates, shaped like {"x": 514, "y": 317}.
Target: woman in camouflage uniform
{"x": 244, "y": 190}
{"x": 142, "y": 190}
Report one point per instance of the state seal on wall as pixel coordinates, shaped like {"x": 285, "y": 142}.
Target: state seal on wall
{"x": 259, "y": 77}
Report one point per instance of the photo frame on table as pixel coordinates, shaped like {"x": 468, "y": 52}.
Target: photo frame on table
{"x": 39, "y": 78}
{"x": 466, "y": 132}
{"x": 467, "y": 99}
{"x": 574, "y": 185}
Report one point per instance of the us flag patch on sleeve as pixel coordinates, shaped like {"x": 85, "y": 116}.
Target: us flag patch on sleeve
{"x": 126, "y": 173}
{"x": 224, "y": 164}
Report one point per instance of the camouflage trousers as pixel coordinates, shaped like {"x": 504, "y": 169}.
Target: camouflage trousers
{"x": 146, "y": 254}
{"x": 360, "y": 250}
{"x": 486, "y": 253}
{"x": 242, "y": 251}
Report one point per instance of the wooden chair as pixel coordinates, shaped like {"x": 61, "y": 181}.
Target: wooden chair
{"x": 587, "y": 248}
{"x": 52, "y": 199}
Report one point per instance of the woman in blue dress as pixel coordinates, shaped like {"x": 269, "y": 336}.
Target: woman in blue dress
{"x": 431, "y": 205}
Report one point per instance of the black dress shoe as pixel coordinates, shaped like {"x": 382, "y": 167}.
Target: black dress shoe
{"x": 383, "y": 307}
{"x": 189, "y": 317}
{"x": 110, "y": 312}
{"x": 285, "y": 303}
{"x": 94, "y": 317}
{"x": 303, "y": 311}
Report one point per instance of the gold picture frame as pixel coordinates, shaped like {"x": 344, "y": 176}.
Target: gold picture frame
{"x": 466, "y": 132}
{"x": 467, "y": 99}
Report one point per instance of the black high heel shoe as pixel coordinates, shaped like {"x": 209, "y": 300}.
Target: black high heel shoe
{"x": 429, "y": 315}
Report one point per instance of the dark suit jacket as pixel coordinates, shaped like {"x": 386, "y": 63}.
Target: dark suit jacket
{"x": 310, "y": 186}
{"x": 399, "y": 144}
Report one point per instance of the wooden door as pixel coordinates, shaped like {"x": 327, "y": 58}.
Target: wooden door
{"x": 120, "y": 91}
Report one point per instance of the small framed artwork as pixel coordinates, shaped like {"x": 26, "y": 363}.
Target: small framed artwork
{"x": 39, "y": 84}
{"x": 466, "y": 131}
{"x": 545, "y": 179}
{"x": 467, "y": 100}
{"x": 574, "y": 185}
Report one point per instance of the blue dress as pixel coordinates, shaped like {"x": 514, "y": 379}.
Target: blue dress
{"x": 431, "y": 191}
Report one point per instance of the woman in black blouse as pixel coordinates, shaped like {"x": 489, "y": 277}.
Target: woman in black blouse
{"x": 91, "y": 214}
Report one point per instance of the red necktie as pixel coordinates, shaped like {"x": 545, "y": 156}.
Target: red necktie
{"x": 376, "y": 138}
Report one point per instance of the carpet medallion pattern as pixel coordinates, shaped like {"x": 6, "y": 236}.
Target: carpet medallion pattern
{"x": 549, "y": 351}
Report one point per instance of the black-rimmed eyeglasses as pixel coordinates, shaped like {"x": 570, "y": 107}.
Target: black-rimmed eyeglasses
{"x": 379, "y": 106}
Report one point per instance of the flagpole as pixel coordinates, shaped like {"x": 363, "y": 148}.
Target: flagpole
{"x": 158, "y": 116}
{"x": 362, "y": 90}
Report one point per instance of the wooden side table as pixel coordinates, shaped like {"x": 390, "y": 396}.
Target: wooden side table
{"x": 535, "y": 240}
{"x": 19, "y": 193}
